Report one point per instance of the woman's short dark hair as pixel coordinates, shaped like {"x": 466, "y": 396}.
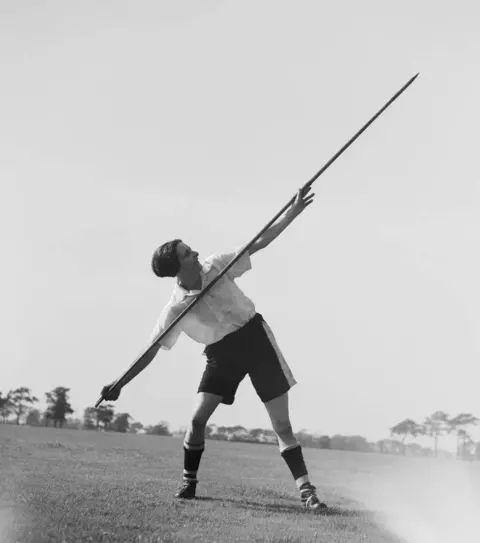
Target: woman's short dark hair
{"x": 165, "y": 261}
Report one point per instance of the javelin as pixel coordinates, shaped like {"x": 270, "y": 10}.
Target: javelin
{"x": 141, "y": 362}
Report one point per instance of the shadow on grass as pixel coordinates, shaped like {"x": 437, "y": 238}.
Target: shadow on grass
{"x": 284, "y": 508}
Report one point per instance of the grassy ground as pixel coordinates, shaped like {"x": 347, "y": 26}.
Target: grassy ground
{"x": 66, "y": 485}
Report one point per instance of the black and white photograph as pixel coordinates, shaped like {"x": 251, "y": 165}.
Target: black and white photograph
{"x": 240, "y": 281}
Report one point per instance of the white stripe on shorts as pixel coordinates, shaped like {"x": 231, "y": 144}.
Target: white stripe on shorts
{"x": 283, "y": 363}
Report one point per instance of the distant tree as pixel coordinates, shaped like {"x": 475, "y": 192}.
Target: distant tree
{"x": 121, "y": 423}
{"x": 58, "y": 405}
{"x": 467, "y": 446}
{"x": 135, "y": 427}
{"x": 73, "y": 423}
{"x": 239, "y": 433}
{"x": 305, "y": 438}
{"x": 270, "y": 437}
{"x": 21, "y": 399}
{"x": 257, "y": 433}
{"x": 89, "y": 418}
{"x": 407, "y": 427}
{"x": 415, "y": 449}
{"x": 3, "y": 399}
{"x": 457, "y": 425}
{"x": 104, "y": 415}
{"x": 159, "y": 429}
{"x": 324, "y": 442}
{"x": 180, "y": 432}
{"x": 47, "y": 416}
{"x": 209, "y": 430}
{"x": 33, "y": 418}
{"x": 390, "y": 446}
{"x": 435, "y": 426}
{"x": 6, "y": 407}
{"x": 381, "y": 446}
{"x": 338, "y": 442}
{"x": 357, "y": 443}
{"x": 221, "y": 433}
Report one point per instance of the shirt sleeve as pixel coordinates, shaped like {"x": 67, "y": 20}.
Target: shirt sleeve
{"x": 221, "y": 260}
{"x": 168, "y": 315}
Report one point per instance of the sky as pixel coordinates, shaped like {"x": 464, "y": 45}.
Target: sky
{"x": 126, "y": 124}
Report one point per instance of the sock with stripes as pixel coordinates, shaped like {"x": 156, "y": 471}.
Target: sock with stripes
{"x": 293, "y": 456}
{"x": 192, "y": 456}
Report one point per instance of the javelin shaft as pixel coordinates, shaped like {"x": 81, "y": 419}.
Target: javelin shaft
{"x": 141, "y": 362}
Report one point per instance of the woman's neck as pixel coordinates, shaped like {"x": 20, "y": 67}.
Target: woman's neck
{"x": 190, "y": 281}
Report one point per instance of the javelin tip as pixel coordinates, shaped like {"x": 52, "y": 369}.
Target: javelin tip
{"x": 408, "y": 83}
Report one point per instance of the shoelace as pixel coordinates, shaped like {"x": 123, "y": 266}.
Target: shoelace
{"x": 187, "y": 484}
{"x": 308, "y": 491}
{"x": 308, "y": 494}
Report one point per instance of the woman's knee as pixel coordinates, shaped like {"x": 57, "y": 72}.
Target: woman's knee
{"x": 282, "y": 428}
{"x": 206, "y": 405}
{"x": 198, "y": 422}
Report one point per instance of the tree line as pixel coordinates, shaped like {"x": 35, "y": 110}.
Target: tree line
{"x": 17, "y": 406}
{"x": 440, "y": 424}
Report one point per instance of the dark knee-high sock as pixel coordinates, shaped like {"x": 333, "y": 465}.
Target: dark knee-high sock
{"x": 293, "y": 456}
{"x": 192, "y": 456}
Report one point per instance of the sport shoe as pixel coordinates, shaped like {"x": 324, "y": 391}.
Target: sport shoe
{"x": 309, "y": 498}
{"x": 187, "y": 490}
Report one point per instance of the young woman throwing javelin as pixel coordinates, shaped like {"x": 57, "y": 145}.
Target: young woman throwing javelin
{"x": 237, "y": 342}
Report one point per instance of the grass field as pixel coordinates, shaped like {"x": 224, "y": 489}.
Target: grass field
{"x": 67, "y": 485}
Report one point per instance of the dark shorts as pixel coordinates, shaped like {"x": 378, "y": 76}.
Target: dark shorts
{"x": 250, "y": 350}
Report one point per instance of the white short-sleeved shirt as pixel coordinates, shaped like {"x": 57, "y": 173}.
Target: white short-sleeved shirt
{"x": 222, "y": 310}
